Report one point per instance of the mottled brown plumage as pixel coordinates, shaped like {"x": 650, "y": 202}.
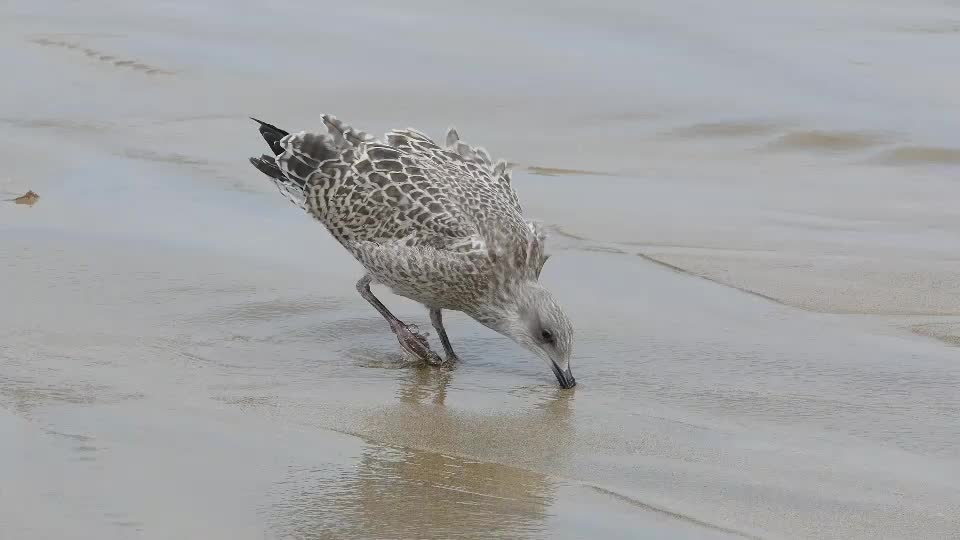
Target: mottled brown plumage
{"x": 440, "y": 225}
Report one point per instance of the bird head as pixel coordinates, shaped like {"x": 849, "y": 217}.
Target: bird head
{"x": 532, "y": 317}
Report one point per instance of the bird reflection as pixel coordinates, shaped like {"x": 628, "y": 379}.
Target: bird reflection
{"x": 413, "y": 484}
{"x": 426, "y": 383}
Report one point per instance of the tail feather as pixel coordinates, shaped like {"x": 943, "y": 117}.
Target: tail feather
{"x": 303, "y": 153}
{"x": 272, "y": 134}
{"x": 343, "y": 134}
{"x": 268, "y": 166}
{"x": 296, "y": 158}
{"x": 293, "y": 190}
{"x": 291, "y": 187}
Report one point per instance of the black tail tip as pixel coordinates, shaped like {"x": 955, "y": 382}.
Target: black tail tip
{"x": 268, "y": 126}
{"x": 272, "y": 134}
{"x": 267, "y": 166}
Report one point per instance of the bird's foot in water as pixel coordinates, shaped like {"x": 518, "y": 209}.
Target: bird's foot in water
{"x": 415, "y": 343}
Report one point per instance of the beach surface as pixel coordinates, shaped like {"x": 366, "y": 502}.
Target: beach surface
{"x": 753, "y": 210}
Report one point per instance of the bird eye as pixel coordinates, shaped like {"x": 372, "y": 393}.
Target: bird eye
{"x": 546, "y": 336}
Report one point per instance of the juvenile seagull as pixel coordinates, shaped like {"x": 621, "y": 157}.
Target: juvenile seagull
{"x": 440, "y": 225}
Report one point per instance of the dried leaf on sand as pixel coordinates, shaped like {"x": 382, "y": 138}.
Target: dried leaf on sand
{"x": 29, "y": 198}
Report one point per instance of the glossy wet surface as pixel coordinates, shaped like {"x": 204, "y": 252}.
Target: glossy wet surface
{"x": 183, "y": 354}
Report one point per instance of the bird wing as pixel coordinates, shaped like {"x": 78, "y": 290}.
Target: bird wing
{"x": 408, "y": 190}
{"x": 482, "y": 192}
{"x": 390, "y": 194}
{"x": 365, "y": 190}
{"x": 473, "y": 192}
{"x": 536, "y": 255}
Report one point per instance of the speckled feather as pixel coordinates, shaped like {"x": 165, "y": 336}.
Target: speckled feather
{"x": 441, "y": 225}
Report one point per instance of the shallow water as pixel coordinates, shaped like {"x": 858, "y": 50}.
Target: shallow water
{"x": 183, "y": 354}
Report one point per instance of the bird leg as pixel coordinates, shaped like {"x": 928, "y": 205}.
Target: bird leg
{"x": 437, "y": 319}
{"x": 409, "y": 337}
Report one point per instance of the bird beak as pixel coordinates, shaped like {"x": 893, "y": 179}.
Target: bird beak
{"x": 564, "y": 376}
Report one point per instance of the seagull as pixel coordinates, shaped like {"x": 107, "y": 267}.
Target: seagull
{"x": 438, "y": 224}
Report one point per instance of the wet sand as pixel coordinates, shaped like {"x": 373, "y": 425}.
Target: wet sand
{"x": 757, "y": 246}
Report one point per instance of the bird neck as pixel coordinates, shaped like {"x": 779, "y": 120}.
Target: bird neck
{"x": 506, "y": 303}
